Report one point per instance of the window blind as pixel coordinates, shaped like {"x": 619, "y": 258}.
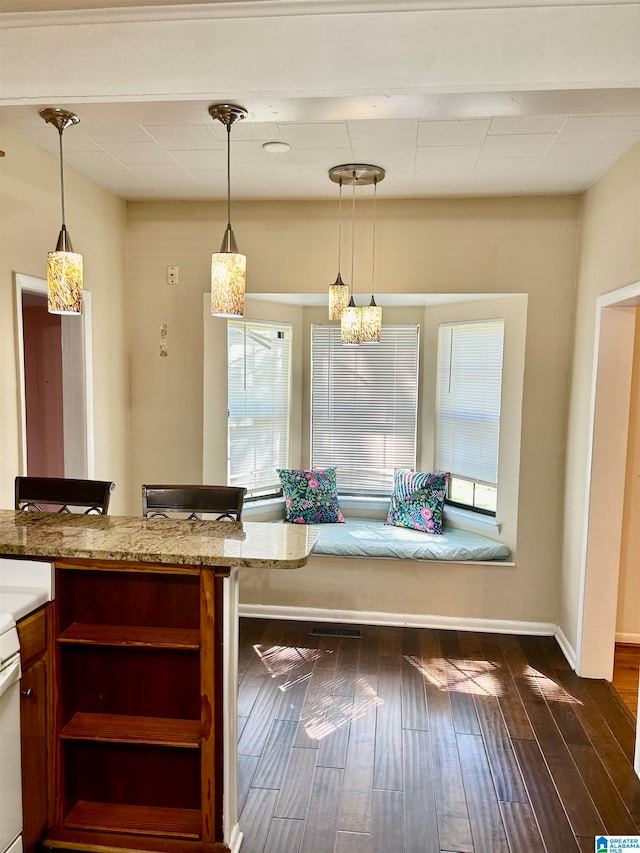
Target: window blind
{"x": 258, "y": 386}
{"x": 364, "y": 404}
{"x": 470, "y": 389}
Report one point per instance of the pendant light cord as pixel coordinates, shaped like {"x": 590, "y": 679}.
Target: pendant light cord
{"x": 229, "y": 175}
{"x": 353, "y": 231}
{"x": 339, "y": 224}
{"x": 373, "y": 249}
{"x": 64, "y": 227}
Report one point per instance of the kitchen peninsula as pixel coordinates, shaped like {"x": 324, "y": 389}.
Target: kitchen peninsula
{"x": 142, "y": 682}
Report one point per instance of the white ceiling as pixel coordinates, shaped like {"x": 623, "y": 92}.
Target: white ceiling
{"x": 509, "y": 133}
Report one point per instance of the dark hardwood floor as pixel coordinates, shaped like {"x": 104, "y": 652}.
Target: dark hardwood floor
{"x": 625, "y": 675}
{"x": 426, "y": 741}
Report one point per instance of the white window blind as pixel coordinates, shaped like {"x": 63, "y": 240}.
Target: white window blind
{"x": 470, "y": 389}
{"x": 364, "y": 404}
{"x": 258, "y": 384}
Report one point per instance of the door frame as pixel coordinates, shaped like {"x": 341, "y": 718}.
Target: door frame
{"x": 77, "y": 382}
{"x": 604, "y": 488}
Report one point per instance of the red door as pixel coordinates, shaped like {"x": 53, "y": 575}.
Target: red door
{"x": 43, "y": 387}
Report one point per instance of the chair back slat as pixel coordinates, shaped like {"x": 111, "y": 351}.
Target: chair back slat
{"x": 225, "y": 502}
{"x": 34, "y": 493}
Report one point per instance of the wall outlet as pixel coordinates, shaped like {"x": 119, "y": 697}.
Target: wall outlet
{"x": 172, "y": 275}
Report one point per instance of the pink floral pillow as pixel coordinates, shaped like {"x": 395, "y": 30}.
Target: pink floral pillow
{"x": 311, "y": 497}
{"x": 417, "y": 500}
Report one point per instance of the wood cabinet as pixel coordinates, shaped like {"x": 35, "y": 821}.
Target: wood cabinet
{"x": 137, "y": 717}
{"x": 32, "y": 632}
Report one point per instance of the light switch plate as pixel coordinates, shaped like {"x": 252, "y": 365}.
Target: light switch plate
{"x": 172, "y": 275}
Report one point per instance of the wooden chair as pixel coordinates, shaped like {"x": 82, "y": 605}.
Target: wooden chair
{"x": 40, "y": 493}
{"x": 225, "y": 502}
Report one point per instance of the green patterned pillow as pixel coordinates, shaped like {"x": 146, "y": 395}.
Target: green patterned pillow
{"x": 311, "y": 497}
{"x": 417, "y": 500}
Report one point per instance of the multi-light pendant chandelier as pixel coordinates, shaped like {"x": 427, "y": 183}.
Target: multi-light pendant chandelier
{"x": 64, "y": 266}
{"x": 228, "y": 266}
{"x": 357, "y": 325}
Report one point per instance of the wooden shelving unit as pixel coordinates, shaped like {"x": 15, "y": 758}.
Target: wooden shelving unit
{"x": 143, "y": 820}
{"x": 153, "y": 731}
{"x": 131, "y": 635}
{"x": 137, "y": 719}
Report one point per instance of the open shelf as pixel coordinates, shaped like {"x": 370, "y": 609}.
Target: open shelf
{"x": 81, "y": 633}
{"x": 135, "y": 820}
{"x": 137, "y": 724}
{"x": 125, "y": 728}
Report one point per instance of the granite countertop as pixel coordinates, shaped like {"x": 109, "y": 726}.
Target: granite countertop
{"x": 155, "y": 540}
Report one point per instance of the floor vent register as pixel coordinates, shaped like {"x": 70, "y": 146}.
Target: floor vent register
{"x": 335, "y": 631}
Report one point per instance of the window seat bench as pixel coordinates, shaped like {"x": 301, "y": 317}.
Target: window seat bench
{"x": 365, "y": 571}
{"x": 371, "y": 537}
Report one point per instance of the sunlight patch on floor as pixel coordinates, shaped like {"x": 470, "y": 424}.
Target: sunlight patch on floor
{"x": 327, "y": 713}
{"x": 549, "y": 689}
{"x": 458, "y": 676}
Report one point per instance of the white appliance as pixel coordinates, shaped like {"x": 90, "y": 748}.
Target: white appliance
{"x": 10, "y": 774}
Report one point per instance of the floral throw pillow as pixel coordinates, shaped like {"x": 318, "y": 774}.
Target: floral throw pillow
{"x": 417, "y": 500}
{"x": 311, "y": 497}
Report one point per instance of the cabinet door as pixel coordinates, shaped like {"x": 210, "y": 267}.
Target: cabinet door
{"x": 33, "y": 722}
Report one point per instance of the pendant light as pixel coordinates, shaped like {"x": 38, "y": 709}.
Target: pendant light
{"x": 64, "y": 266}
{"x": 372, "y": 313}
{"x": 338, "y": 291}
{"x": 351, "y": 319}
{"x": 228, "y": 266}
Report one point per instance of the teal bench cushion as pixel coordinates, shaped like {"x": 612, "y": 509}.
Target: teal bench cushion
{"x": 371, "y": 537}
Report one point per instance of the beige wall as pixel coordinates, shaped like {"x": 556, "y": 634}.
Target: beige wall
{"x": 520, "y": 245}
{"x": 609, "y": 258}
{"x": 29, "y": 225}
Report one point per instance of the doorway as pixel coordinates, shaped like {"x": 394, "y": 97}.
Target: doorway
{"x": 55, "y": 385}
{"x": 605, "y": 487}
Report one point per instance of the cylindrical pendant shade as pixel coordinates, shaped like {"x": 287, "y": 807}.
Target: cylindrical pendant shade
{"x": 228, "y": 278}
{"x": 351, "y": 326}
{"x": 371, "y": 323}
{"x": 338, "y": 298}
{"x": 64, "y": 282}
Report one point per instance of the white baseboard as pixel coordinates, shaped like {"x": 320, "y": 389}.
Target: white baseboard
{"x": 412, "y": 620}
{"x": 235, "y": 839}
{"x": 567, "y": 649}
{"x": 630, "y": 639}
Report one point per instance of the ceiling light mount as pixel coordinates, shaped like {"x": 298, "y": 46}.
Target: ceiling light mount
{"x": 356, "y": 174}
{"x": 228, "y": 114}
{"x": 62, "y": 119}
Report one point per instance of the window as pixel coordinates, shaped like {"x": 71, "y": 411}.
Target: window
{"x": 258, "y": 386}
{"x": 364, "y": 407}
{"x": 468, "y": 421}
